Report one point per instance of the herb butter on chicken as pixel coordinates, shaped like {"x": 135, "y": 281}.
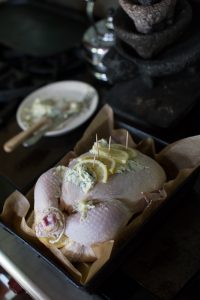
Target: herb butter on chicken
{"x": 93, "y": 198}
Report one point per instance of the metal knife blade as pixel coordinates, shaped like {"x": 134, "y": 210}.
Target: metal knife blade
{"x": 40, "y": 133}
{"x": 58, "y": 119}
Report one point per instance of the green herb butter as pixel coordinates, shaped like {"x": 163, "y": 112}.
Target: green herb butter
{"x": 81, "y": 177}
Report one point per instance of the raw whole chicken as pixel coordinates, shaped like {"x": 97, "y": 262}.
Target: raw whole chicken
{"x": 93, "y": 198}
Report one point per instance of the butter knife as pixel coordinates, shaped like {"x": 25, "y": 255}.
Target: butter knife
{"x": 57, "y": 121}
{"x": 18, "y": 139}
{"x": 40, "y": 133}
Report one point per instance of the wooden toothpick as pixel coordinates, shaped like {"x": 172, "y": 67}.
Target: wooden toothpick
{"x": 94, "y": 160}
{"x": 127, "y": 139}
{"x": 97, "y": 145}
{"x": 109, "y": 143}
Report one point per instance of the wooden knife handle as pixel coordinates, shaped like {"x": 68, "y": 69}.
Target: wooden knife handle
{"x": 18, "y": 139}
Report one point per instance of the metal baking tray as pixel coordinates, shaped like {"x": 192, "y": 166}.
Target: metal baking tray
{"x": 131, "y": 244}
{"x": 39, "y": 28}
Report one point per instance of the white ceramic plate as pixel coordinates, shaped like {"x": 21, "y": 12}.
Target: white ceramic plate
{"x": 59, "y": 91}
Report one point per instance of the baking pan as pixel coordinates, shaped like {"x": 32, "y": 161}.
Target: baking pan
{"x": 39, "y": 28}
{"x": 144, "y": 232}
{"x": 169, "y": 260}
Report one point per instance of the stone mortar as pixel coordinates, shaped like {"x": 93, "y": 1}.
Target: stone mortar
{"x": 149, "y": 45}
{"x": 147, "y": 17}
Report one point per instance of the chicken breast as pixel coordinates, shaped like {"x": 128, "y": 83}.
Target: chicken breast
{"x": 146, "y": 176}
{"x": 102, "y": 223}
